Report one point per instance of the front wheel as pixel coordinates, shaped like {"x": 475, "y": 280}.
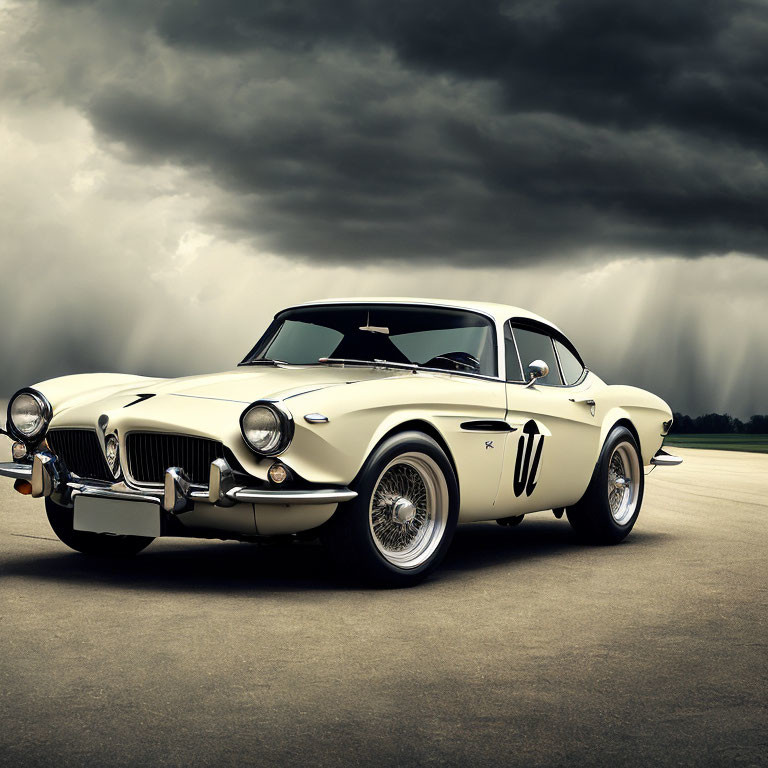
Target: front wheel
{"x": 609, "y": 508}
{"x": 400, "y": 525}
{"x": 104, "y": 544}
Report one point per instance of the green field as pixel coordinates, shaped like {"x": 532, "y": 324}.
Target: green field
{"x": 751, "y": 443}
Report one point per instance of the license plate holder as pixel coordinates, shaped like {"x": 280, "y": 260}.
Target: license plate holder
{"x": 129, "y": 518}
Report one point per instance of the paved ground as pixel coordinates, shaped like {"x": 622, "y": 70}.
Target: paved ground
{"x": 526, "y": 649}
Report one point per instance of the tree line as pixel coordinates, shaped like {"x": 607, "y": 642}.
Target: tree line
{"x": 719, "y": 423}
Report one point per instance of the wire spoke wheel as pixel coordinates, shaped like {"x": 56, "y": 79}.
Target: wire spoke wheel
{"x": 623, "y": 482}
{"x": 408, "y": 512}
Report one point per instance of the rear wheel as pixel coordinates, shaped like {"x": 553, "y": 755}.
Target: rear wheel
{"x": 400, "y": 525}
{"x": 104, "y": 544}
{"x": 609, "y": 508}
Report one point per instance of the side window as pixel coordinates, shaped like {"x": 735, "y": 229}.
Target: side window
{"x": 537, "y": 346}
{"x": 510, "y": 356}
{"x": 571, "y": 367}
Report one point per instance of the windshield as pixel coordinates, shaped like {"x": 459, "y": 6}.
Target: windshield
{"x": 431, "y": 337}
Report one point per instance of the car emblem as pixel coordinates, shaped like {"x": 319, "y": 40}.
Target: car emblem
{"x": 488, "y": 444}
{"x": 111, "y": 452}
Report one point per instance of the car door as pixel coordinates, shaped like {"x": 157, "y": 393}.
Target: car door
{"x": 549, "y": 453}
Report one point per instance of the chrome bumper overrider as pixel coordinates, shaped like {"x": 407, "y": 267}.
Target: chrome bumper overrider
{"x": 48, "y": 478}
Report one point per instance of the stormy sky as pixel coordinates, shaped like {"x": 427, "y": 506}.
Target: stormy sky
{"x": 173, "y": 172}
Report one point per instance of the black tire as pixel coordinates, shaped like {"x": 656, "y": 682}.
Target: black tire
{"x": 592, "y": 517}
{"x": 99, "y": 544}
{"x": 349, "y": 534}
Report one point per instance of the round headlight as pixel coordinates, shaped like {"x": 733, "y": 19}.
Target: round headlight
{"x": 28, "y": 415}
{"x": 266, "y": 428}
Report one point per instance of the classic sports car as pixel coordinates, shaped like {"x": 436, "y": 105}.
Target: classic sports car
{"x": 376, "y": 424}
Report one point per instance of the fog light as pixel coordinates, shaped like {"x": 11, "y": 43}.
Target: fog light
{"x": 18, "y": 451}
{"x": 277, "y": 473}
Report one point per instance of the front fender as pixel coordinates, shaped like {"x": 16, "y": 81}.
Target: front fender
{"x": 359, "y": 417}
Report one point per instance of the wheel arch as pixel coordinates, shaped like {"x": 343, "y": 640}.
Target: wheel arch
{"x": 626, "y": 422}
{"x": 617, "y": 418}
{"x": 416, "y": 425}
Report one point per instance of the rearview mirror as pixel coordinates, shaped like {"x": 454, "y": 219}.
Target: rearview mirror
{"x": 536, "y": 370}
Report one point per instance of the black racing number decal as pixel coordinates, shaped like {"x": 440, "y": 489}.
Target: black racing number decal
{"x": 529, "y": 446}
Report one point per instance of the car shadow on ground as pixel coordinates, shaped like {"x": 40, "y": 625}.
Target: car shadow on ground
{"x": 231, "y": 567}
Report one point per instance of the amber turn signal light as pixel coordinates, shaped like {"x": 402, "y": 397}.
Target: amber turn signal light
{"x": 24, "y": 487}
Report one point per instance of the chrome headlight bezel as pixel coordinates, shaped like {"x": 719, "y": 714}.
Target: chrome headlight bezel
{"x": 46, "y": 412}
{"x": 285, "y": 427}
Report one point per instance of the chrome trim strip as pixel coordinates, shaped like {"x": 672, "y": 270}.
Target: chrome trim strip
{"x": 16, "y": 471}
{"x": 320, "y": 496}
{"x": 79, "y": 489}
{"x": 563, "y": 382}
{"x": 241, "y": 495}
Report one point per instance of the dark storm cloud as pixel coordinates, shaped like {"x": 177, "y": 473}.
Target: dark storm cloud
{"x": 472, "y": 131}
{"x": 699, "y": 66}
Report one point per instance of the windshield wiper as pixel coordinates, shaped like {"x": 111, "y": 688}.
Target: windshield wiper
{"x": 369, "y": 363}
{"x": 264, "y": 361}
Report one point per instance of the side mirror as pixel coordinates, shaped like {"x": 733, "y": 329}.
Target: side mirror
{"x": 536, "y": 370}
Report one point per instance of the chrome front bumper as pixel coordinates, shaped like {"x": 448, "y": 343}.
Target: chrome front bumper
{"x": 16, "y": 471}
{"x": 48, "y": 478}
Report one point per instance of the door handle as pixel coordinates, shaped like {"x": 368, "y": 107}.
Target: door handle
{"x": 590, "y": 403}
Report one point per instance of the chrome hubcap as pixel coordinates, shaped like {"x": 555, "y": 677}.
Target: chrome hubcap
{"x": 403, "y": 511}
{"x": 409, "y": 510}
{"x": 623, "y": 482}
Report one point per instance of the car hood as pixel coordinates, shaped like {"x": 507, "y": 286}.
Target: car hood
{"x": 242, "y": 385}
{"x": 250, "y": 383}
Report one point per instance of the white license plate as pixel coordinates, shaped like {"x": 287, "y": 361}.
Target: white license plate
{"x": 133, "y": 518}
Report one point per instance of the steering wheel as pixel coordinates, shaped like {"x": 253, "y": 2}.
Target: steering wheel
{"x": 455, "y": 361}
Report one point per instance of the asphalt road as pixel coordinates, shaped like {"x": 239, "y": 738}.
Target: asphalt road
{"x": 525, "y": 649}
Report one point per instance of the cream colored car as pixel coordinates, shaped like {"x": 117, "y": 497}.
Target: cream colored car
{"x": 377, "y": 424}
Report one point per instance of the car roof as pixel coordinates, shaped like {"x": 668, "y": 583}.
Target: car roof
{"x": 499, "y": 312}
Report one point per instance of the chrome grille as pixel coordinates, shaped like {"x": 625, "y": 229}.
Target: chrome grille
{"x": 81, "y": 452}
{"x": 151, "y": 453}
